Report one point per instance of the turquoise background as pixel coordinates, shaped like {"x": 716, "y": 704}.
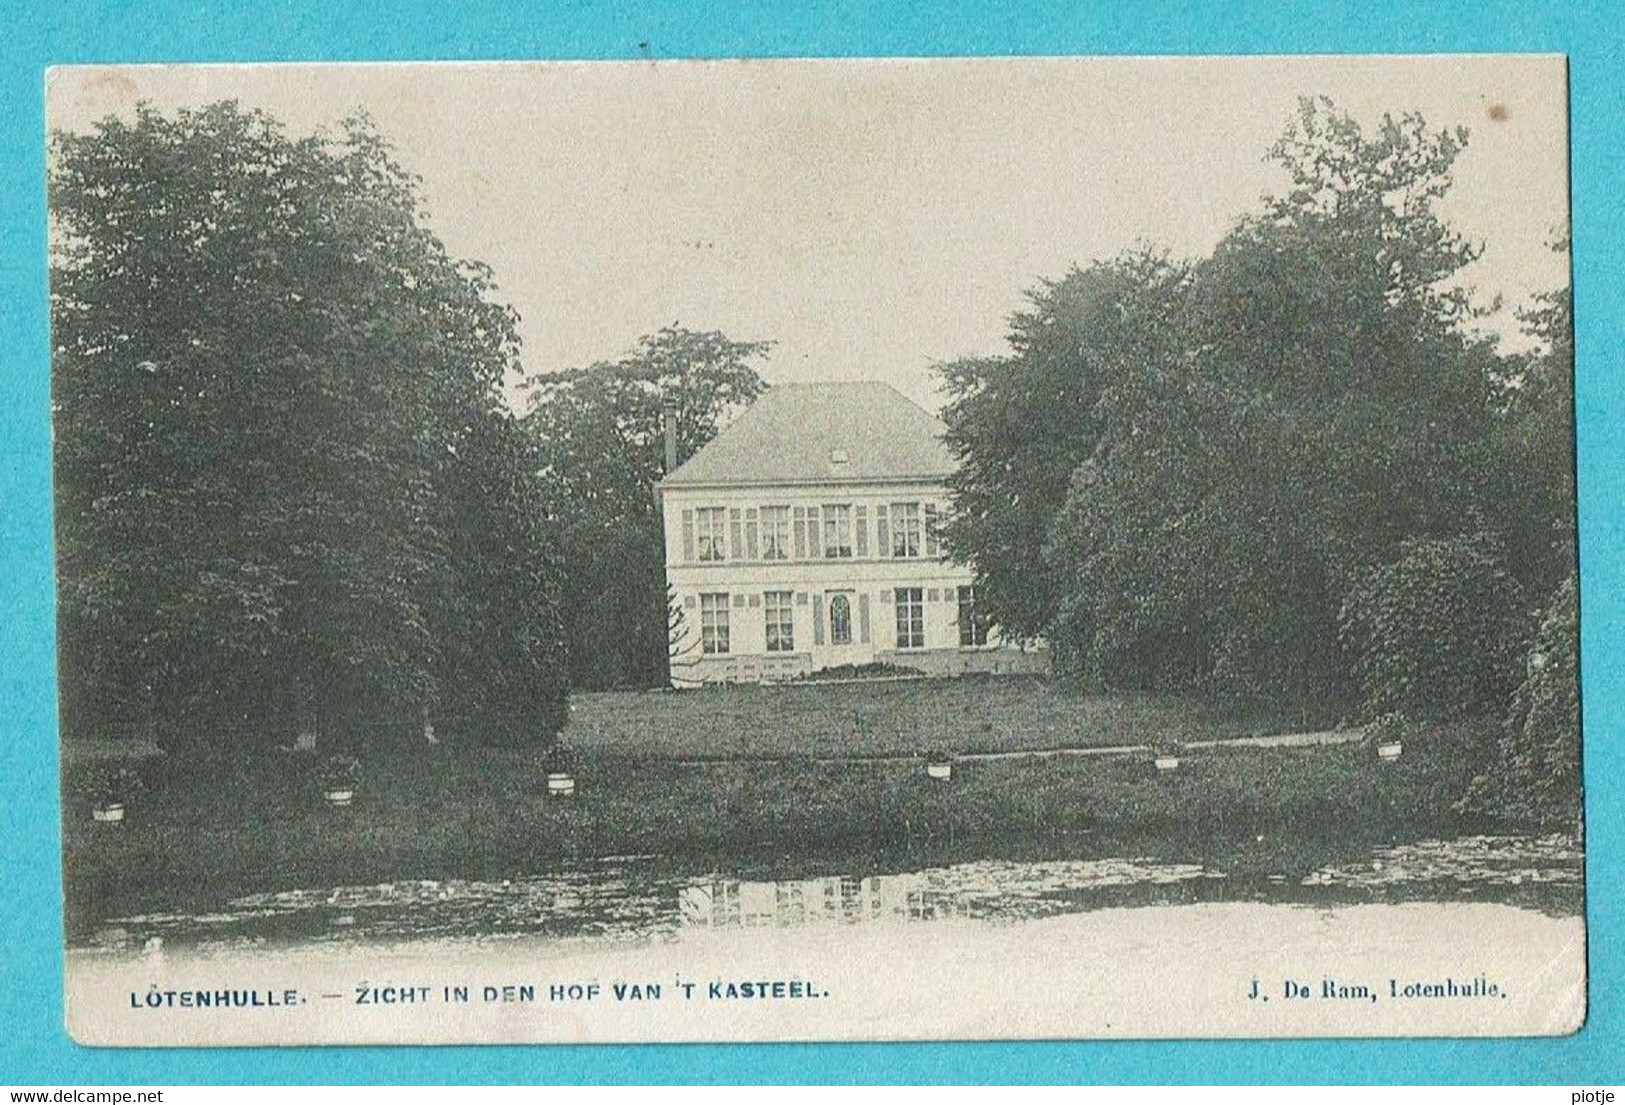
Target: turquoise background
{"x": 33, "y": 1047}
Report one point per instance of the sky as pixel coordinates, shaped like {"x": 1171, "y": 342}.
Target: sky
{"x": 871, "y": 217}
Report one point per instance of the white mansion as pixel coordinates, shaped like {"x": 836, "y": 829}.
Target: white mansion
{"x": 804, "y": 537}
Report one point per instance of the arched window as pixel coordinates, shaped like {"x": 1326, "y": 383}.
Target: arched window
{"x": 840, "y": 620}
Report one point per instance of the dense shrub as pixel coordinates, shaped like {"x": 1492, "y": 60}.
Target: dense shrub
{"x": 1432, "y": 634}
{"x": 1537, "y": 777}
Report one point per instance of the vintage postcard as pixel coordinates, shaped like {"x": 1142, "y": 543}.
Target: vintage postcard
{"x": 816, "y": 550}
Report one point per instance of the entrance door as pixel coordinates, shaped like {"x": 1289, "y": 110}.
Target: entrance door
{"x": 845, "y": 640}
{"x": 840, "y": 620}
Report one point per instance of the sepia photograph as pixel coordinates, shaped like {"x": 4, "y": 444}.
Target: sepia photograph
{"x": 862, "y": 549}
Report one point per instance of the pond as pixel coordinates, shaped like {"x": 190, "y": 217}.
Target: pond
{"x": 654, "y": 898}
{"x": 1221, "y": 937}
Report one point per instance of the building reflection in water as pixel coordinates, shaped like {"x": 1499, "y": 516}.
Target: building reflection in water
{"x": 840, "y": 898}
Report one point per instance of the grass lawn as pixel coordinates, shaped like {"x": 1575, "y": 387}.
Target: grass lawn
{"x": 880, "y": 718}
{"x": 202, "y": 832}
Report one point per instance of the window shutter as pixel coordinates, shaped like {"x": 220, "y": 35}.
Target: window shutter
{"x": 882, "y": 531}
{"x": 688, "y": 535}
{"x": 863, "y": 618}
{"x": 932, "y": 548}
{"x": 736, "y": 539}
{"x": 752, "y": 527}
{"x": 818, "y": 619}
{"x": 815, "y": 535}
{"x": 860, "y": 523}
{"x": 801, "y": 532}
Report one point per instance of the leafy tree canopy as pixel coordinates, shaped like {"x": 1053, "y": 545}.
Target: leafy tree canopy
{"x": 598, "y": 441}
{"x": 1020, "y": 424}
{"x": 269, "y": 376}
{"x": 1197, "y": 461}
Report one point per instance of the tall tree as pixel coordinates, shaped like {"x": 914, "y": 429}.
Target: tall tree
{"x": 1531, "y": 497}
{"x": 502, "y": 677}
{"x": 1021, "y": 423}
{"x": 1180, "y": 470}
{"x": 1331, "y": 327}
{"x": 267, "y": 373}
{"x": 598, "y": 440}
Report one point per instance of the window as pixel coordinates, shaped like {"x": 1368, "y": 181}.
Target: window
{"x": 775, "y": 533}
{"x": 781, "y": 631}
{"x": 837, "y": 531}
{"x": 840, "y": 620}
{"x": 905, "y": 529}
{"x": 910, "y": 617}
{"x": 714, "y": 624}
{"x": 972, "y": 623}
{"x": 711, "y": 533}
{"x": 807, "y": 535}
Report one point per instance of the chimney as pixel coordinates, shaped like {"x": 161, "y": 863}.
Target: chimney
{"x": 668, "y": 421}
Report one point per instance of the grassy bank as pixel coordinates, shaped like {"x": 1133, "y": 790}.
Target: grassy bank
{"x": 878, "y": 718}
{"x": 445, "y": 811}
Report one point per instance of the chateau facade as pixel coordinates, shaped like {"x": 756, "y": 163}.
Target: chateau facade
{"x": 804, "y": 537}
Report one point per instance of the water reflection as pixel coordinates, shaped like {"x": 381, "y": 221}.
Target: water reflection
{"x": 1504, "y": 861}
{"x": 985, "y": 890}
{"x": 642, "y": 899}
{"x": 730, "y": 902}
